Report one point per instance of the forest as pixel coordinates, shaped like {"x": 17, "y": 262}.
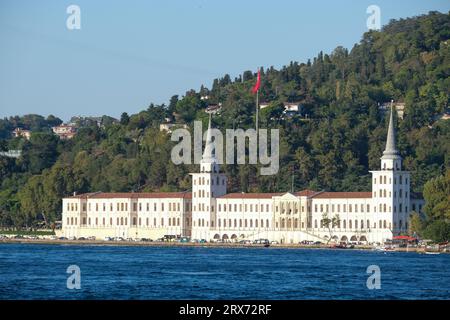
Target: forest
{"x": 331, "y": 145}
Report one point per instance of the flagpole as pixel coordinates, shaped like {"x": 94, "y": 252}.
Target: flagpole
{"x": 257, "y": 112}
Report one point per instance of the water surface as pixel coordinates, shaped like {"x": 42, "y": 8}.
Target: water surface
{"x": 34, "y": 271}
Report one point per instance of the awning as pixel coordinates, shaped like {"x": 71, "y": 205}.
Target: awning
{"x": 408, "y": 238}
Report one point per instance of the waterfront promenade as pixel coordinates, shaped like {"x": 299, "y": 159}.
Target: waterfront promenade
{"x": 207, "y": 245}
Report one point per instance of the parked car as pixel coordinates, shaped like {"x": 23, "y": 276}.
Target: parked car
{"x": 108, "y": 239}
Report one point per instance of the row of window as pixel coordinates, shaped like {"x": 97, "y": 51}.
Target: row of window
{"x": 381, "y": 224}
{"x": 123, "y": 206}
{"x": 383, "y": 180}
{"x": 350, "y": 207}
{"x": 383, "y": 193}
{"x": 201, "y": 193}
{"x": 242, "y": 223}
{"x": 234, "y": 207}
{"x": 123, "y": 221}
{"x": 202, "y": 180}
{"x": 384, "y": 207}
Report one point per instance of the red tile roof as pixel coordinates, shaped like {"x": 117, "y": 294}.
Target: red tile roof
{"x": 342, "y": 195}
{"x": 133, "y": 195}
{"x": 243, "y": 195}
{"x": 305, "y": 193}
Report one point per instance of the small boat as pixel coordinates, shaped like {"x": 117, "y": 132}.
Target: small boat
{"x": 432, "y": 252}
{"x": 266, "y": 245}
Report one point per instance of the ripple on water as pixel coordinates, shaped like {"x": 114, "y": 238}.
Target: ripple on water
{"x": 108, "y": 272}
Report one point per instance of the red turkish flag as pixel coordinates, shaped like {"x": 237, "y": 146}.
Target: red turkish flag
{"x": 258, "y": 83}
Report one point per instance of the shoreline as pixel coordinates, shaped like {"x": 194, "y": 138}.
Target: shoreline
{"x": 191, "y": 244}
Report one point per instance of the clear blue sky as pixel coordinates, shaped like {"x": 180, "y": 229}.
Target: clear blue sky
{"x": 130, "y": 53}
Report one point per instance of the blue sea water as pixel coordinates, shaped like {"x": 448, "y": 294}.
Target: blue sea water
{"x": 34, "y": 271}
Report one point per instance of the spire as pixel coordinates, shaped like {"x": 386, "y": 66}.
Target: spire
{"x": 391, "y": 149}
{"x": 208, "y": 156}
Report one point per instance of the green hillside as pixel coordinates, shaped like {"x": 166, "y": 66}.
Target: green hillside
{"x": 332, "y": 144}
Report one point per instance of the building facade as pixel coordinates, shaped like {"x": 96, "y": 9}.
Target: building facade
{"x": 209, "y": 212}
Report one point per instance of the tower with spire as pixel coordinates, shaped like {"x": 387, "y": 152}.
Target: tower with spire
{"x": 391, "y": 189}
{"x": 207, "y": 185}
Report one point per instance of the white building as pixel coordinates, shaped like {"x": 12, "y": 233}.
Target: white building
{"x": 65, "y": 131}
{"x": 209, "y": 212}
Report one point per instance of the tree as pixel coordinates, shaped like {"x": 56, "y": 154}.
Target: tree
{"x": 416, "y": 224}
{"x": 330, "y": 223}
{"x": 41, "y": 151}
{"x": 124, "y": 119}
{"x": 438, "y": 231}
{"x": 437, "y": 197}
